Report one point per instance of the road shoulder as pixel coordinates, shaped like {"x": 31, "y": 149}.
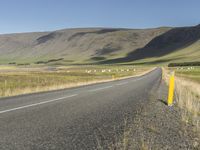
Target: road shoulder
{"x": 159, "y": 126}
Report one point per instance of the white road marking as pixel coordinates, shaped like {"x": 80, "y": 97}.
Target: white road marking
{"x": 122, "y": 83}
{"x": 136, "y": 79}
{"x": 35, "y": 104}
{"x": 100, "y": 88}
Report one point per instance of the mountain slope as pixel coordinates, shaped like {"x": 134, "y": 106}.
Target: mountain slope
{"x": 176, "y": 45}
{"x": 172, "y": 40}
{"x": 103, "y": 45}
{"x": 77, "y": 45}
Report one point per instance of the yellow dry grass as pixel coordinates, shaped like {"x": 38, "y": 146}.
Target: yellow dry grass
{"x": 22, "y": 81}
{"x": 187, "y": 94}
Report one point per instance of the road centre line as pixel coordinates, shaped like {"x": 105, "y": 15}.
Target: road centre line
{"x": 98, "y": 89}
{"x": 61, "y": 98}
{"x": 122, "y": 83}
{"x": 35, "y": 104}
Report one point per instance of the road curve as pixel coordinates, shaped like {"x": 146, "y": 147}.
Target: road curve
{"x": 78, "y": 118}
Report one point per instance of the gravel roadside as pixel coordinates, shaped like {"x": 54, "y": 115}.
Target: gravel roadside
{"x": 158, "y": 126}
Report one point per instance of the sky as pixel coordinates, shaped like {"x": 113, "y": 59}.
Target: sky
{"x": 48, "y": 15}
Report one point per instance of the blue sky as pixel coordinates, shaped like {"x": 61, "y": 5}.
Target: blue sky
{"x": 46, "y": 15}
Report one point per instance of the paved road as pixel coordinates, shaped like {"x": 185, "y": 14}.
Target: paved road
{"x": 78, "y": 118}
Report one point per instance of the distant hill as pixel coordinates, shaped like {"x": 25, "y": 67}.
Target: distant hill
{"x": 182, "y": 43}
{"x": 102, "y": 45}
{"x": 74, "y": 45}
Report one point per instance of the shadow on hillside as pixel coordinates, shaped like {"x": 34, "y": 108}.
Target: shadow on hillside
{"x": 101, "y": 31}
{"x": 46, "y": 38}
{"x": 164, "y": 44}
{"x": 107, "y": 50}
{"x": 151, "y": 62}
{"x": 53, "y": 35}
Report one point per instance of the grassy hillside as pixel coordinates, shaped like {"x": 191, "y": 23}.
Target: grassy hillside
{"x": 102, "y": 45}
{"x": 73, "y": 45}
{"x": 191, "y": 53}
{"x": 176, "y": 45}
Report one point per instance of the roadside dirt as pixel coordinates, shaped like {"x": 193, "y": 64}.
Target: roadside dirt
{"x": 159, "y": 126}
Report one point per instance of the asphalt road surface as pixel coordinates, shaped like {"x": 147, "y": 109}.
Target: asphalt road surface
{"x": 85, "y": 117}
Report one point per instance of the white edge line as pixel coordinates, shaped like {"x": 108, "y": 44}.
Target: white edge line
{"x": 35, "y": 104}
{"x": 98, "y": 89}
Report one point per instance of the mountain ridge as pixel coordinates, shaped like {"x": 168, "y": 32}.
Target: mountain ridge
{"x": 93, "y": 45}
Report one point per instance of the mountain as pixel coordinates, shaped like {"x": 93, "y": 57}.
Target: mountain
{"x": 74, "y": 45}
{"x": 178, "y": 44}
{"x": 102, "y": 45}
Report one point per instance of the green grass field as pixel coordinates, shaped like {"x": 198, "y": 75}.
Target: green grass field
{"x": 190, "y": 53}
{"x": 21, "y": 80}
{"x": 192, "y": 73}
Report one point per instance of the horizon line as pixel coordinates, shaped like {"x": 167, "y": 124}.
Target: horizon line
{"x": 95, "y": 27}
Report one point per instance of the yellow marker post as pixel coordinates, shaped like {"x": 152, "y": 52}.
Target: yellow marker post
{"x": 171, "y": 89}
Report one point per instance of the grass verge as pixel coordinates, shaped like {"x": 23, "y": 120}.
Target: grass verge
{"x": 187, "y": 92}
{"x": 16, "y": 81}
